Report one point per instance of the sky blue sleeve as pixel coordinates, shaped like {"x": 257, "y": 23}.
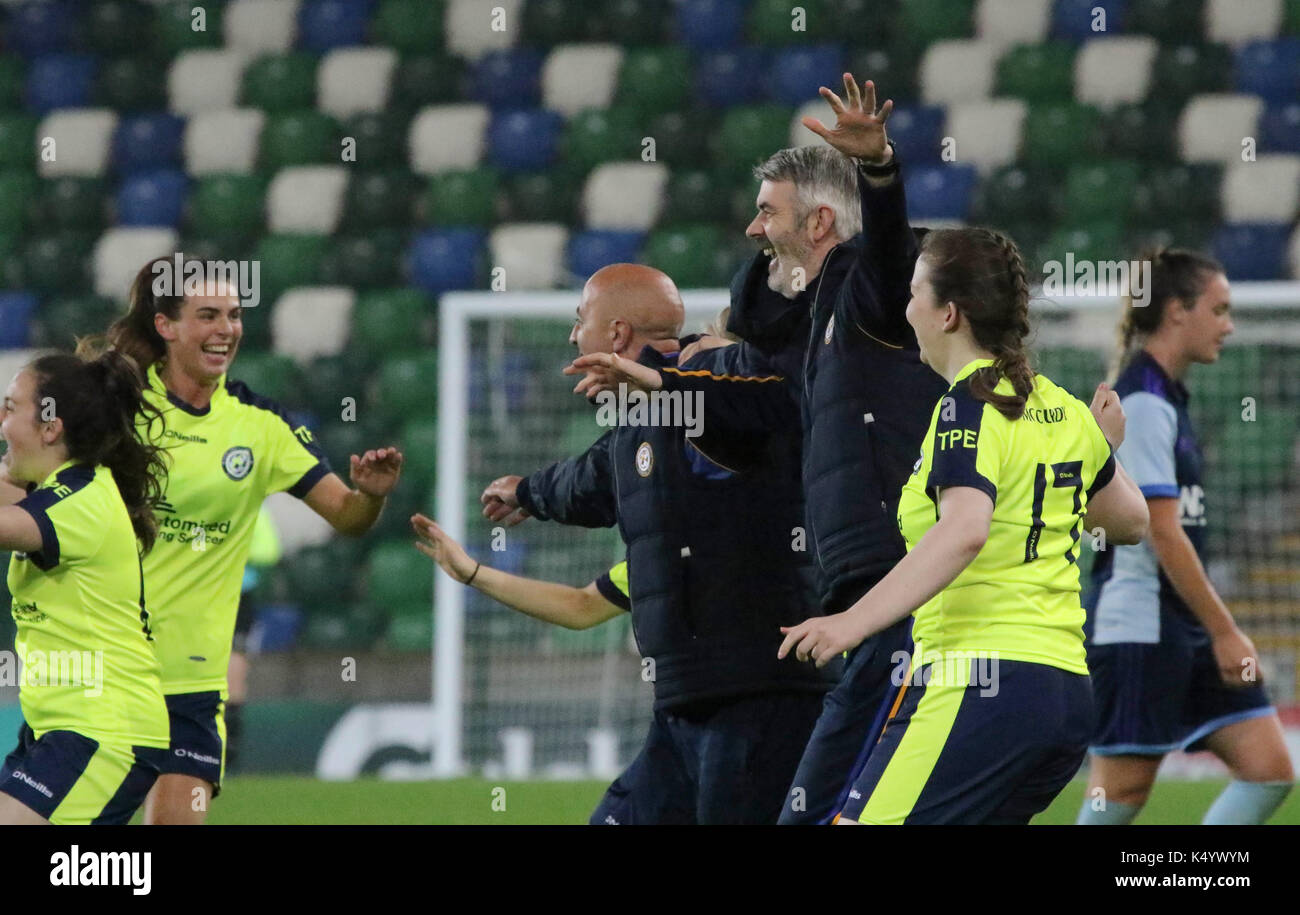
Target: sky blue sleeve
{"x": 1148, "y": 449}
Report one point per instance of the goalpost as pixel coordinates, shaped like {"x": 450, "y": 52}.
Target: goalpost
{"x": 517, "y": 697}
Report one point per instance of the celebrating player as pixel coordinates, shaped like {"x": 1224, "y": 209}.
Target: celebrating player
{"x": 229, "y": 448}
{"x": 94, "y": 727}
{"x": 992, "y": 516}
{"x": 1170, "y": 668}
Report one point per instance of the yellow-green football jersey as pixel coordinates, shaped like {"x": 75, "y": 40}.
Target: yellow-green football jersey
{"x": 1019, "y": 598}
{"x": 613, "y": 586}
{"x": 83, "y": 634}
{"x": 223, "y": 462}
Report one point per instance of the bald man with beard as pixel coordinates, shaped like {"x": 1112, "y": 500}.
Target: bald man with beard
{"x": 712, "y": 577}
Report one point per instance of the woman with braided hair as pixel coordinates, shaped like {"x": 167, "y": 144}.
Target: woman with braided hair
{"x": 996, "y": 711}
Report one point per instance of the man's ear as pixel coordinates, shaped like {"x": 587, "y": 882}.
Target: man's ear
{"x": 825, "y": 223}
{"x": 620, "y": 335}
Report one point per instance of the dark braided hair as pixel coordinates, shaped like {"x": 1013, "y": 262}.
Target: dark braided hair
{"x": 982, "y": 273}
{"x": 1176, "y": 274}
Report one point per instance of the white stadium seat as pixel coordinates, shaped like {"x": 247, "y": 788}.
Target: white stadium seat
{"x": 261, "y": 26}
{"x": 1114, "y": 71}
{"x": 312, "y": 321}
{"x": 960, "y": 70}
{"x": 1236, "y": 22}
{"x": 624, "y": 195}
{"x": 1213, "y": 126}
{"x": 82, "y": 138}
{"x": 121, "y": 252}
{"x": 578, "y": 76}
{"x": 12, "y": 361}
{"x": 447, "y": 137}
{"x": 204, "y": 80}
{"x": 225, "y": 141}
{"x": 1266, "y": 190}
{"x": 986, "y": 134}
{"x": 1010, "y": 22}
{"x": 307, "y": 199}
{"x": 531, "y": 253}
{"x": 296, "y": 524}
{"x": 468, "y": 25}
{"x": 354, "y": 80}
{"x": 801, "y": 135}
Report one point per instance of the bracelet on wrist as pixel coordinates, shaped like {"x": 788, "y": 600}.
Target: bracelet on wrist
{"x": 470, "y": 580}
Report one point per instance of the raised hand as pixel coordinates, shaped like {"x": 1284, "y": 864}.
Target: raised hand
{"x": 376, "y": 472}
{"x": 606, "y": 371}
{"x": 859, "y": 128}
{"x": 438, "y": 545}
{"x": 500, "y": 504}
{"x": 1109, "y": 413}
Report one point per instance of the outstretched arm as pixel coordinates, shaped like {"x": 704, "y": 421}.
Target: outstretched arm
{"x": 577, "y": 491}
{"x": 354, "y": 510}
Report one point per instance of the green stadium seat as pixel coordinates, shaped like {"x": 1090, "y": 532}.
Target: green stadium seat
{"x": 323, "y": 578}
{"x": 17, "y": 141}
{"x": 1291, "y": 18}
{"x": 397, "y": 574}
{"x": 696, "y": 196}
{"x": 751, "y": 133}
{"x": 13, "y": 76}
{"x": 654, "y": 80}
{"x": 550, "y": 196}
{"x": 381, "y": 139}
{"x": 287, "y": 261}
{"x": 552, "y": 22}
{"x": 299, "y": 138}
{"x": 1038, "y": 72}
{"x": 387, "y": 322}
{"x": 411, "y": 627}
{"x": 633, "y": 23}
{"x": 467, "y": 197}
{"x": 406, "y": 387}
{"x": 770, "y": 22}
{"x": 1057, "y": 136}
{"x": 426, "y": 79}
{"x": 923, "y": 22}
{"x": 686, "y": 254}
{"x": 378, "y": 199}
{"x": 682, "y": 137}
{"x": 174, "y": 26}
{"x": 1099, "y": 190}
{"x": 419, "y": 442}
{"x": 410, "y": 25}
{"x": 18, "y": 190}
{"x": 1142, "y": 132}
{"x": 350, "y": 632}
{"x": 846, "y": 17}
{"x": 132, "y": 84}
{"x": 61, "y": 320}
{"x": 340, "y": 439}
{"x": 405, "y": 500}
{"x": 59, "y": 264}
{"x": 1176, "y": 233}
{"x": 364, "y": 261}
{"x": 1182, "y": 191}
{"x": 894, "y": 70}
{"x": 1015, "y": 192}
{"x": 11, "y": 262}
{"x": 1168, "y": 20}
{"x": 595, "y": 136}
{"x": 280, "y": 83}
{"x": 1184, "y": 70}
{"x": 116, "y": 26}
{"x": 330, "y": 380}
{"x": 272, "y": 375}
{"x": 1095, "y": 241}
{"x": 228, "y": 207}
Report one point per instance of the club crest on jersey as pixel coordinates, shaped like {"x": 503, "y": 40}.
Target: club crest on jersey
{"x": 237, "y": 462}
{"x": 830, "y": 328}
{"x": 645, "y": 459}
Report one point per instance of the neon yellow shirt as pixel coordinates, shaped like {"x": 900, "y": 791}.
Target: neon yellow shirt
{"x": 83, "y": 634}
{"x": 1019, "y": 598}
{"x": 224, "y": 461}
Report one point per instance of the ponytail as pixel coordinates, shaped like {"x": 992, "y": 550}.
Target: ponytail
{"x": 134, "y": 334}
{"x": 1176, "y": 273}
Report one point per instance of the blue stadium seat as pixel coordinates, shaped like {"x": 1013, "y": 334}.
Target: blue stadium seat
{"x": 147, "y": 142}
{"x": 589, "y": 251}
{"x": 1252, "y": 251}
{"x": 59, "y": 81}
{"x": 1279, "y": 128}
{"x": 710, "y": 23}
{"x": 940, "y": 191}
{"x": 41, "y": 28}
{"x": 725, "y": 78}
{"x": 16, "y": 310}
{"x": 440, "y": 260}
{"x": 1072, "y": 19}
{"x": 275, "y": 628}
{"x": 515, "y": 372}
{"x": 508, "y": 79}
{"x": 1270, "y": 69}
{"x": 796, "y": 73}
{"x": 152, "y": 198}
{"x": 327, "y": 24}
{"x": 524, "y": 141}
{"x": 917, "y": 132}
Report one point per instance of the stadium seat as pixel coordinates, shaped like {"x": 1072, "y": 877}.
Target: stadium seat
{"x": 1270, "y": 69}
{"x": 749, "y": 134}
{"x": 593, "y": 137}
{"x": 280, "y": 83}
{"x": 388, "y": 322}
{"x": 957, "y": 71}
{"x": 128, "y": 84}
{"x": 1181, "y": 71}
{"x": 228, "y": 206}
{"x": 154, "y": 198}
{"x": 1252, "y": 251}
{"x": 771, "y": 22}
{"x": 1212, "y": 127}
{"x": 587, "y": 252}
{"x": 466, "y": 34}
{"x": 121, "y": 252}
{"x": 203, "y": 80}
{"x": 653, "y": 80}
{"x": 530, "y": 254}
{"x": 1293, "y": 254}
{"x": 380, "y": 137}
{"x": 1236, "y": 23}
{"x": 696, "y": 196}
{"x": 1076, "y": 20}
{"x": 419, "y": 442}
{"x": 446, "y": 137}
{"x": 1058, "y": 135}
{"x": 726, "y": 77}
{"x": 705, "y": 24}
{"x": 41, "y": 28}
{"x": 16, "y": 312}
{"x": 579, "y": 76}
{"x": 524, "y": 140}
{"x": 18, "y": 196}
{"x": 368, "y": 261}
{"x": 426, "y": 79}
{"x": 893, "y": 69}
{"x": 13, "y": 77}
{"x": 441, "y": 260}
{"x": 272, "y": 375}
{"x": 312, "y": 321}
{"x": 286, "y": 261}
{"x": 306, "y": 199}
{"x": 59, "y": 81}
{"x": 115, "y": 26}
{"x": 987, "y": 134}
{"x": 625, "y": 195}
{"x": 1112, "y": 71}
{"x": 1186, "y": 190}
{"x": 940, "y": 192}
{"x": 299, "y": 138}
{"x": 796, "y": 73}
{"x": 72, "y": 204}
{"x": 260, "y": 26}
{"x": 148, "y": 141}
{"x": 683, "y": 138}
{"x": 409, "y": 25}
{"x": 549, "y": 196}
{"x": 1097, "y": 190}
{"x": 1177, "y": 231}
{"x": 398, "y": 575}
{"x": 554, "y": 22}
{"x": 1266, "y": 190}
{"x": 406, "y": 387}
{"x": 509, "y": 78}
{"x": 634, "y": 23}
{"x": 64, "y": 318}
{"x": 1011, "y": 22}
{"x": 91, "y": 129}
{"x": 378, "y": 198}
{"x": 1096, "y": 241}
{"x": 465, "y": 197}
{"x": 218, "y": 142}
{"x": 327, "y": 24}
{"x": 1169, "y": 21}
{"x": 410, "y": 627}
{"x": 1038, "y": 73}
{"x": 1141, "y": 132}
{"x": 334, "y": 378}
{"x": 174, "y": 26}
{"x": 926, "y": 21}
{"x": 1279, "y": 128}
{"x": 1015, "y": 194}
{"x": 686, "y": 253}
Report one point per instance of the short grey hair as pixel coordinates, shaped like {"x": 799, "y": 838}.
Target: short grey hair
{"x": 822, "y": 176}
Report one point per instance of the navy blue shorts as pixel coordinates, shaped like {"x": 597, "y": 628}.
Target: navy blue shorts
{"x": 964, "y": 747}
{"x": 1153, "y": 699}
{"x": 70, "y": 779}
{"x": 198, "y": 742}
{"x": 724, "y": 762}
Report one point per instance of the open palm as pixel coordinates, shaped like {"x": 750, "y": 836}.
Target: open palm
{"x": 859, "y": 128}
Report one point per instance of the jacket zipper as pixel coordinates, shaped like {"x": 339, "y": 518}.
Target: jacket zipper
{"x": 807, "y": 363}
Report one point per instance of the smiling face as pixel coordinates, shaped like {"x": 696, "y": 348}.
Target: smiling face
{"x": 203, "y": 338}
{"x": 928, "y": 318}
{"x": 1207, "y": 324}
{"x": 783, "y": 235}
{"x": 28, "y": 439}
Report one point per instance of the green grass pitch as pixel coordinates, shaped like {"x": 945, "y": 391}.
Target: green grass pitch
{"x": 299, "y": 800}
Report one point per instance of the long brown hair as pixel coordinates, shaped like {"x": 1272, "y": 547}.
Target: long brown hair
{"x": 982, "y": 273}
{"x": 1177, "y": 274}
{"x": 134, "y": 334}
